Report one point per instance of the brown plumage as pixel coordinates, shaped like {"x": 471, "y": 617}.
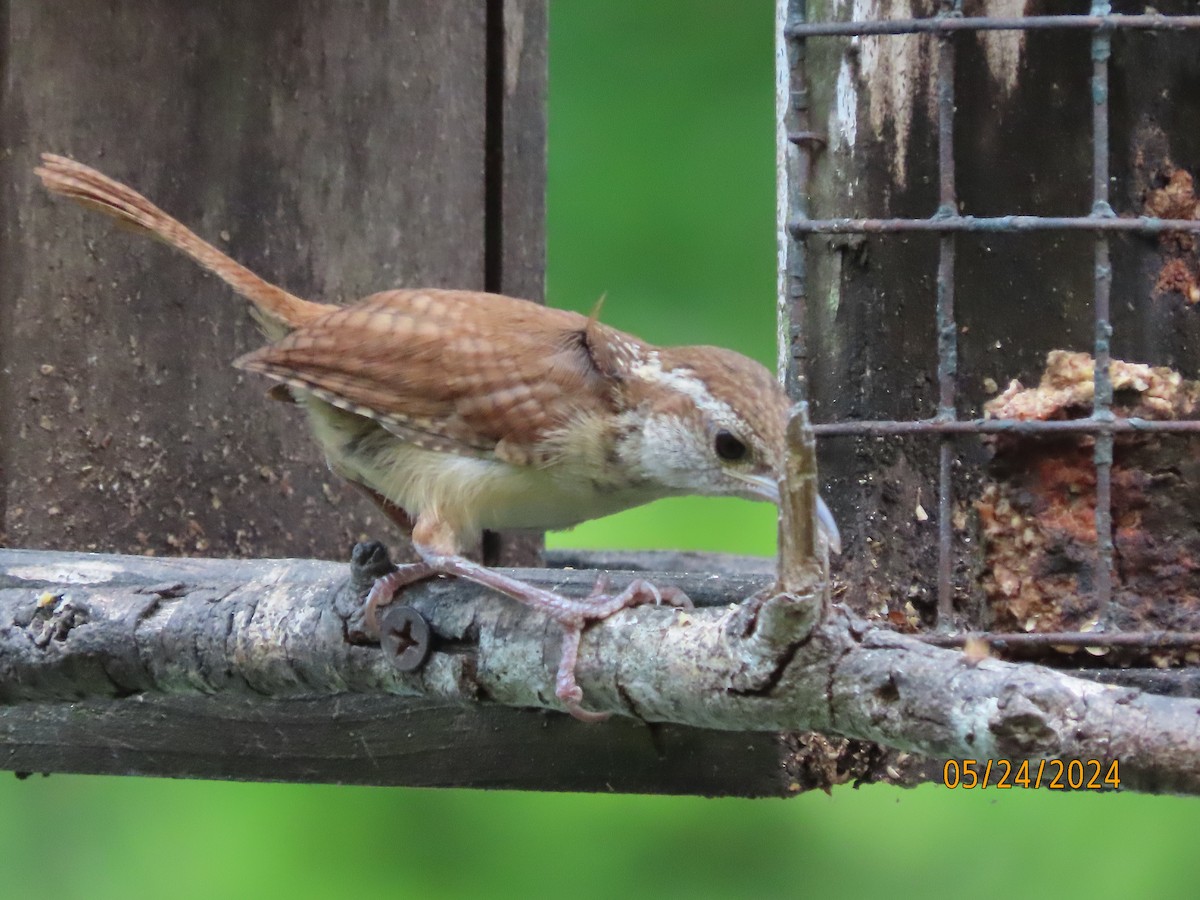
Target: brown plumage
{"x": 438, "y": 375}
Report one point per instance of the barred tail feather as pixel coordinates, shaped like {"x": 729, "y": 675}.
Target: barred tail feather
{"x": 278, "y": 310}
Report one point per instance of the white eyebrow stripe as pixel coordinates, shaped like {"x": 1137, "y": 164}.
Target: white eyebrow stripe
{"x": 650, "y": 369}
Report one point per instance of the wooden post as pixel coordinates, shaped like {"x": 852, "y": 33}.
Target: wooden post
{"x": 338, "y": 149}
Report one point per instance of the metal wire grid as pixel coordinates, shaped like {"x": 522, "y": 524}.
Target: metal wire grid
{"x": 799, "y": 143}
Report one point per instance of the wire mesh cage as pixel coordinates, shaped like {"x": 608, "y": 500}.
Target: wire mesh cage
{"x": 969, "y": 200}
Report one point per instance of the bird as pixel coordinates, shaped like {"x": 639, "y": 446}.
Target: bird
{"x": 460, "y": 410}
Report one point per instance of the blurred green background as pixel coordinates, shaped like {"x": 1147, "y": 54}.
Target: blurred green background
{"x": 662, "y": 197}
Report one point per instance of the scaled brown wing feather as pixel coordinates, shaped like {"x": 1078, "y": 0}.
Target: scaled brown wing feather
{"x": 436, "y": 370}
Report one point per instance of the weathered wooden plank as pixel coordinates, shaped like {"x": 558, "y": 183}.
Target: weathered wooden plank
{"x": 337, "y": 148}
{"x": 516, "y": 184}
{"x": 357, "y": 739}
{"x": 520, "y": 87}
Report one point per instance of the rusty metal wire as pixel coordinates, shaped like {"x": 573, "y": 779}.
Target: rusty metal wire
{"x": 947, "y": 329}
{"x": 946, "y": 222}
{"x": 1102, "y": 287}
{"x": 943, "y": 25}
{"x": 997, "y": 225}
{"x": 1024, "y": 427}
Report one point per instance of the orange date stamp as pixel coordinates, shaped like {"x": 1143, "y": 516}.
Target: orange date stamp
{"x": 1052, "y": 774}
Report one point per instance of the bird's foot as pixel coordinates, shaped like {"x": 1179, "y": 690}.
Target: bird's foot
{"x": 600, "y": 605}
{"x": 572, "y": 614}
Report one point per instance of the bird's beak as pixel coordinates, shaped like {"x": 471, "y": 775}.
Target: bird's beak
{"x": 764, "y": 487}
{"x": 826, "y": 523}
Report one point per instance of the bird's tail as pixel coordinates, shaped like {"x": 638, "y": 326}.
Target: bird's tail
{"x": 277, "y": 310}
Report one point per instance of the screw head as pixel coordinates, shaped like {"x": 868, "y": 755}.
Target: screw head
{"x": 404, "y": 637}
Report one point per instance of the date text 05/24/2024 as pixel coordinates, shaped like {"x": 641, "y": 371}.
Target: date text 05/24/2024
{"x": 1054, "y": 774}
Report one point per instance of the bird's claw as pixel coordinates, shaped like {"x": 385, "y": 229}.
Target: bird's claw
{"x": 600, "y": 605}
{"x": 638, "y": 592}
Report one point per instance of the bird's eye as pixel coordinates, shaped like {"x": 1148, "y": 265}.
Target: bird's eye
{"x": 729, "y": 447}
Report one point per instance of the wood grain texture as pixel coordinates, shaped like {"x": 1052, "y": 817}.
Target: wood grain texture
{"x": 517, "y": 90}
{"x": 333, "y": 164}
{"x": 383, "y": 741}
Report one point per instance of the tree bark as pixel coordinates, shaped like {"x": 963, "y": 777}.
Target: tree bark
{"x": 258, "y": 636}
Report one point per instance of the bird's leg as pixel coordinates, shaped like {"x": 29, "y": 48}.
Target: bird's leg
{"x": 384, "y": 589}
{"x": 573, "y": 615}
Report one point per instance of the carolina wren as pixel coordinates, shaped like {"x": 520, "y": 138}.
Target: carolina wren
{"x": 470, "y": 410}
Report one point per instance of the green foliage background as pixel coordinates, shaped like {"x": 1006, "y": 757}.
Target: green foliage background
{"x": 662, "y": 196}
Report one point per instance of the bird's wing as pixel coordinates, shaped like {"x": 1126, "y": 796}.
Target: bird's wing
{"x": 455, "y": 371}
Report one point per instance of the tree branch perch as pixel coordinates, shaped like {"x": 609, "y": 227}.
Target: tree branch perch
{"x": 82, "y": 627}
